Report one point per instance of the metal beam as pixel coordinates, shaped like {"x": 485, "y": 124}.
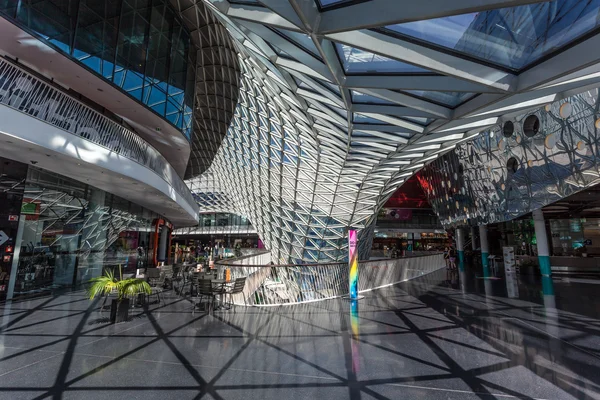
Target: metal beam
{"x": 433, "y": 60}
{"x": 377, "y": 13}
{"x": 417, "y": 82}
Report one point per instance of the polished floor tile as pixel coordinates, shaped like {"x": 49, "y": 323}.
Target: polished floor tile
{"x": 436, "y": 337}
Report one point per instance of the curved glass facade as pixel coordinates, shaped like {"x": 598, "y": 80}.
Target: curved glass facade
{"x": 138, "y": 45}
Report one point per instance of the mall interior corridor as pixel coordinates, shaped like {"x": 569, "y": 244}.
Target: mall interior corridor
{"x": 432, "y": 337}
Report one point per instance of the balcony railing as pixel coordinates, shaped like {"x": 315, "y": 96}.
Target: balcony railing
{"x": 28, "y": 94}
{"x": 278, "y": 285}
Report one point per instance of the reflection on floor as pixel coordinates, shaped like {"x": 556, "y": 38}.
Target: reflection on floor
{"x": 426, "y": 339}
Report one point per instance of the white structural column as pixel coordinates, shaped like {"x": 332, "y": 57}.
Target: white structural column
{"x": 542, "y": 242}
{"x": 460, "y": 247}
{"x": 485, "y": 248}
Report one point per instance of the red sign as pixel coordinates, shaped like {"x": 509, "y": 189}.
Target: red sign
{"x": 13, "y": 218}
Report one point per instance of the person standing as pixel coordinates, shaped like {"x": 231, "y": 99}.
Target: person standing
{"x": 452, "y": 258}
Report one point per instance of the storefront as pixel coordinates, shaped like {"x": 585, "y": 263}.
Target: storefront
{"x": 568, "y": 236}
{"x": 386, "y": 240}
{"x": 61, "y": 233}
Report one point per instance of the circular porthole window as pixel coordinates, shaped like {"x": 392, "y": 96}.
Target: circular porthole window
{"x": 512, "y": 165}
{"x": 531, "y": 126}
{"x": 508, "y": 129}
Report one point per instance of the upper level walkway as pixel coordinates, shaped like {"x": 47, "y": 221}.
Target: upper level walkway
{"x": 429, "y": 338}
{"x": 45, "y": 126}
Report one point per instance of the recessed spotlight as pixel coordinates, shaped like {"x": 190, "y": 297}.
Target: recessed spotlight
{"x": 78, "y": 164}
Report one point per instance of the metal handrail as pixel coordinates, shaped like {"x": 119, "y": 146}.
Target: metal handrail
{"x": 277, "y": 285}
{"x": 24, "y": 92}
{"x": 230, "y": 263}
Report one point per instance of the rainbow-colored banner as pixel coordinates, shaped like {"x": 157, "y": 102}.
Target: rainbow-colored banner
{"x": 353, "y": 262}
{"x": 354, "y": 343}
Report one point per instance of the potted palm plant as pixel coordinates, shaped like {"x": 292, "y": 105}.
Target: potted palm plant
{"x": 124, "y": 288}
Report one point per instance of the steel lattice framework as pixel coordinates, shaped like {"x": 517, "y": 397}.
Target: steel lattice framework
{"x": 216, "y": 79}
{"x": 341, "y": 102}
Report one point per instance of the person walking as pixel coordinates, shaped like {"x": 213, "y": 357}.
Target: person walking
{"x": 452, "y": 258}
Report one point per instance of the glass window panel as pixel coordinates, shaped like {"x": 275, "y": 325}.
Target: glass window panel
{"x": 358, "y": 61}
{"x": 178, "y": 73}
{"x": 8, "y": 7}
{"x": 137, "y": 44}
{"x": 131, "y": 82}
{"x": 363, "y": 119}
{"x": 300, "y": 39}
{"x": 97, "y": 30}
{"x": 513, "y": 37}
{"x": 54, "y": 20}
{"x": 159, "y": 46}
{"x": 131, "y": 48}
{"x": 328, "y": 3}
{"x": 451, "y": 99}
{"x": 361, "y": 98}
{"x": 190, "y": 80}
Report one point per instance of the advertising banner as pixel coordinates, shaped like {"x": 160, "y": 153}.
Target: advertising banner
{"x": 353, "y": 263}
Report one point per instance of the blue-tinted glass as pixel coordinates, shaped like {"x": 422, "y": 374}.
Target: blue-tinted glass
{"x": 300, "y": 39}
{"x": 8, "y": 7}
{"x": 96, "y": 35}
{"x": 361, "y": 98}
{"x": 136, "y": 44}
{"x": 513, "y": 37}
{"x": 328, "y": 3}
{"x": 92, "y": 62}
{"x": 451, "y": 99}
{"x": 131, "y": 50}
{"x": 53, "y": 20}
{"x": 358, "y": 61}
{"x": 107, "y": 69}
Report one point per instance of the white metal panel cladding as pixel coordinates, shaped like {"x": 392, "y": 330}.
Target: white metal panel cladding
{"x": 339, "y": 106}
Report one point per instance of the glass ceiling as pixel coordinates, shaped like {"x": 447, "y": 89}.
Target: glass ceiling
{"x": 450, "y": 99}
{"x": 513, "y": 37}
{"x": 301, "y": 39}
{"x": 358, "y": 61}
{"x": 361, "y": 98}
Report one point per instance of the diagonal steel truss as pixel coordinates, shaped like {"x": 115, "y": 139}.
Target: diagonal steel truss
{"x": 315, "y": 148}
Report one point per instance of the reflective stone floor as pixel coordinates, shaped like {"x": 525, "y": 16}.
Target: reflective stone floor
{"x": 465, "y": 338}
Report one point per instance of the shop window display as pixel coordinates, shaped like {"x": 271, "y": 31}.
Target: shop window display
{"x": 12, "y": 183}
{"x": 72, "y": 231}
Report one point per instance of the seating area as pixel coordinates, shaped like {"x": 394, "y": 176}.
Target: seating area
{"x": 218, "y": 293}
{"x": 204, "y": 289}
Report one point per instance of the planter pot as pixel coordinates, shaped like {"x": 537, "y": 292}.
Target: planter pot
{"x": 119, "y": 311}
